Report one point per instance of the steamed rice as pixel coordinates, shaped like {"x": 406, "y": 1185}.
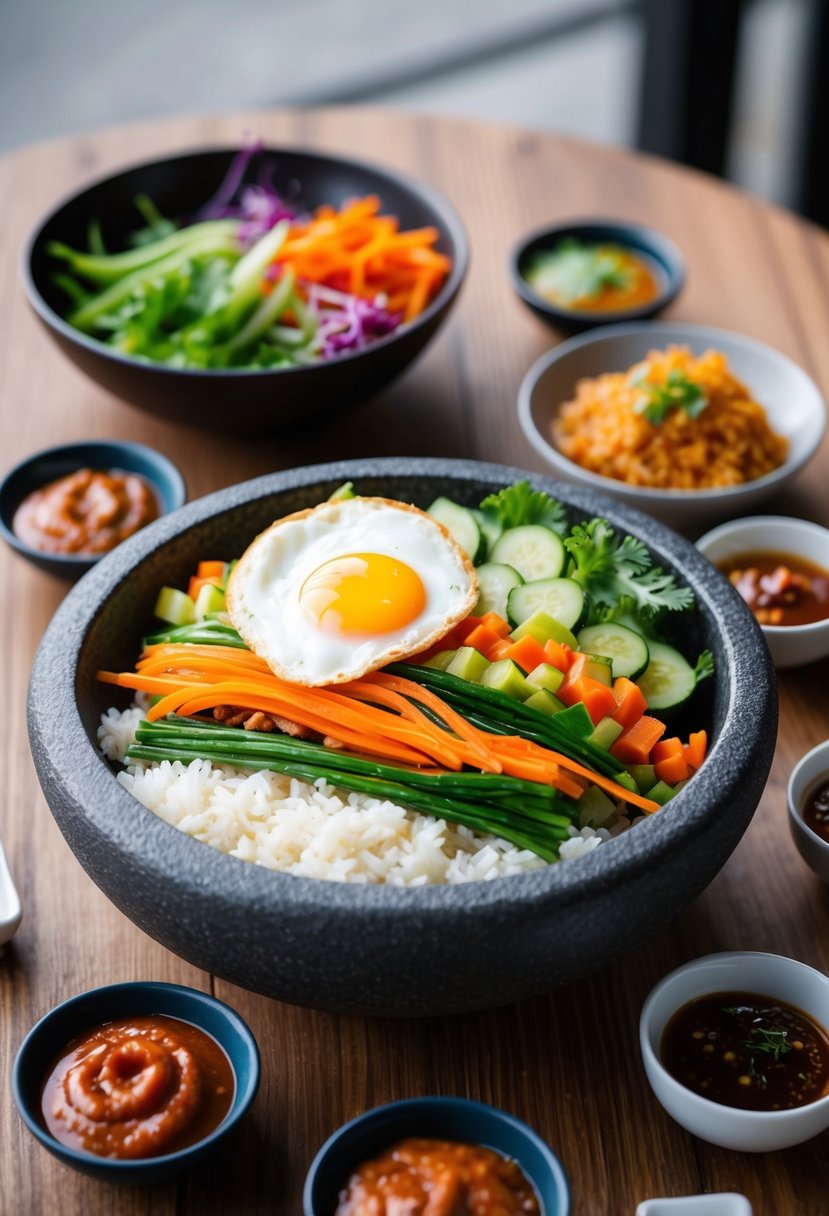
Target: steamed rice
{"x": 315, "y": 830}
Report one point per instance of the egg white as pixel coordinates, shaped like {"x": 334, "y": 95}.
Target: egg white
{"x": 263, "y": 594}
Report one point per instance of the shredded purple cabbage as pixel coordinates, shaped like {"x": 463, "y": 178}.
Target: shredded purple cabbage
{"x": 259, "y": 206}
{"x": 348, "y": 322}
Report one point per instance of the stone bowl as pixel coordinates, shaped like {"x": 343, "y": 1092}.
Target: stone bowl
{"x": 387, "y": 950}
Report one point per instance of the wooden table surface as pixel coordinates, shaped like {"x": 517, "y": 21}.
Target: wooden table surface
{"x": 568, "y": 1062}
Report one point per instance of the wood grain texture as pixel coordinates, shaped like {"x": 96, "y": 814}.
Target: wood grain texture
{"x": 569, "y": 1062}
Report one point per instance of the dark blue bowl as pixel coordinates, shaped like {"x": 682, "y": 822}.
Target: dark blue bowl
{"x": 50, "y": 1035}
{"x": 444, "y": 1119}
{"x": 661, "y": 252}
{"x": 41, "y": 468}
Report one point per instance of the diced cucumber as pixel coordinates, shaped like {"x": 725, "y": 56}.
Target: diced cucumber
{"x": 495, "y": 581}
{"x": 605, "y": 733}
{"x": 175, "y": 606}
{"x": 441, "y": 660}
{"x": 661, "y": 793}
{"x": 595, "y": 808}
{"x": 343, "y": 492}
{"x": 667, "y": 680}
{"x": 535, "y": 552}
{"x": 577, "y": 720}
{"x": 626, "y": 781}
{"x": 543, "y": 628}
{"x": 561, "y": 598}
{"x": 468, "y": 664}
{"x": 490, "y": 529}
{"x": 544, "y": 702}
{"x": 628, "y": 649}
{"x": 547, "y": 677}
{"x": 462, "y": 525}
{"x": 210, "y": 599}
{"x": 644, "y": 775}
{"x": 507, "y": 677}
{"x": 596, "y": 667}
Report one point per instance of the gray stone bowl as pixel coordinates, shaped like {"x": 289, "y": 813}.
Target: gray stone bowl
{"x": 386, "y": 950}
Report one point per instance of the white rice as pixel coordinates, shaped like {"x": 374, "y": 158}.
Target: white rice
{"x": 315, "y": 830}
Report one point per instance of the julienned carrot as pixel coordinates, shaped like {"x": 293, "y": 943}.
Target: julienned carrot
{"x": 572, "y": 766}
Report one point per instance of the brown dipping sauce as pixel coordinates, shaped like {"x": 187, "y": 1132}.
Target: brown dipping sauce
{"x": 138, "y": 1088}
{"x": 85, "y": 512}
{"x": 780, "y": 588}
{"x": 440, "y": 1177}
{"x": 816, "y": 810}
{"x": 749, "y": 1051}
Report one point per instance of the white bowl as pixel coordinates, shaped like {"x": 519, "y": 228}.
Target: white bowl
{"x": 749, "y": 1131}
{"x": 724, "y": 1204}
{"x": 10, "y": 909}
{"x": 793, "y": 403}
{"x": 806, "y": 774}
{"x": 790, "y": 645}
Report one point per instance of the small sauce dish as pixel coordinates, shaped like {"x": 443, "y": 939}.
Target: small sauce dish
{"x": 50, "y": 1038}
{"x": 769, "y": 975}
{"x": 728, "y": 1203}
{"x": 658, "y": 258}
{"x": 456, "y": 1119}
{"x": 43, "y": 468}
{"x": 10, "y": 908}
{"x": 809, "y": 775}
{"x": 790, "y": 645}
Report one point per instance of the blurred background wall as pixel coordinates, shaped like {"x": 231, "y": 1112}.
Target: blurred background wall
{"x": 732, "y": 86}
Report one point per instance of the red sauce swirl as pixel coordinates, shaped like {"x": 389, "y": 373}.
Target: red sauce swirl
{"x": 85, "y": 512}
{"x": 138, "y": 1088}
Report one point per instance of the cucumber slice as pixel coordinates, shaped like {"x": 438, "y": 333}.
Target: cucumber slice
{"x": 461, "y": 525}
{"x": 668, "y": 680}
{"x": 490, "y": 528}
{"x": 560, "y": 598}
{"x": 495, "y": 581}
{"x": 628, "y": 649}
{"x": 533, "y": 551}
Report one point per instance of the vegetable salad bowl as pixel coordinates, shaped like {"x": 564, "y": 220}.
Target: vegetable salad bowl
{"x": 253, "y": 400}
{"x": 367, "y": 948}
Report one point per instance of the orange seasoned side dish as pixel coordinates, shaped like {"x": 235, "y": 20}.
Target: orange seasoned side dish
{"x": 674, "y": 421}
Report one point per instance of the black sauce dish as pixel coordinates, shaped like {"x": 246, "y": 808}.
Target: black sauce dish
{"x": 43, "y": 467}
{"x": 444, "y": 1118}
{"x": 48, "y": 1038}
{"x": 387, "y": 950}
{"x": 245, "y": 401}
{"x": 660, "y": 253}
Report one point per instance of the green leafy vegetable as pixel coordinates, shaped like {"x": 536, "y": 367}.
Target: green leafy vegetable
{"x": 520, "y": 504}
{"x": 575, "y": 271}
{"x": 705, "y": 666}
{"x": 677, "y": 392}
{"x": 617, "y": 573}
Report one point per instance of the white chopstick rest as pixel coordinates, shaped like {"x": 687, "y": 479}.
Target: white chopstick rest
{"x": 10, "y": 909}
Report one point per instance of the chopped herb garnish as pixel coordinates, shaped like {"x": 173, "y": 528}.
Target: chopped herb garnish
{"x": 573, "y": 271}
{"x": 677, "y": 392}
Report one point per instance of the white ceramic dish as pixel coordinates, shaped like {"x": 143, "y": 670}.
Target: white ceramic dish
{"x": 10, "y": 909}
{"x": 792, "y": 400}
{"x": 725, "y": 1204}
{"x": 806, "y": 774}
{"x": 790, "y": 645}
{"x": 748, "y": 1131}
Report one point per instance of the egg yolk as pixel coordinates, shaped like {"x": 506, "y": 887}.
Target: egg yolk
{"x": 363, "y": 593}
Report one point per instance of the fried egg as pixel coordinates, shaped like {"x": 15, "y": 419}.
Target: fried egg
{"x": 328, "y": 594}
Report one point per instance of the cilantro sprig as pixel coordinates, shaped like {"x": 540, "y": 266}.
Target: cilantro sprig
{"x": 614, "y": 571}
{"x": 677, "y": 392}
{"x": 520, "y": 504}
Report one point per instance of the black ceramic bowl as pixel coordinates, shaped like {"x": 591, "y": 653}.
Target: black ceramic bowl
{"x": 46, "y": 1041}
{"x": 255, "y": 401}
{"x": 661, "y": 254}
{"x": 434, "y": 1118}
{"x": 387, "y": 950}
{"x": 39, "y": 469}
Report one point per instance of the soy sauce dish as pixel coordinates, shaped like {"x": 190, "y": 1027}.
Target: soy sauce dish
{"x": 809, "y": 809}
{"x": 135, "y": 1082}
{"x": 736, "y": 1049}
{"x": 410, "y": 1147}
{"x": 580, "y": 274}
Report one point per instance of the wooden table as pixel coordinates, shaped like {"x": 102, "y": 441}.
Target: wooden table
{"x": 568, "y": 1063}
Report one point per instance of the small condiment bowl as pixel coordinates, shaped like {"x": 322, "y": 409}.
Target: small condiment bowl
{"x": 458, "y": 1119}
{"x": 792, "y": 401}
{"x": 47, "y": 1039}
{"x": 809, "y": 772}
{"x": 10, "y": 907}
{"x": 656, "y": 248}
{"x": 770, "y": 975}
{"x": 727, "y": 1203}
{"x": 790, "y": 645}
{"x": 43, "y": 467}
